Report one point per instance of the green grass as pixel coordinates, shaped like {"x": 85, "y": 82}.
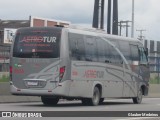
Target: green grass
{"x": 4, "y": 78}
{"x": 154, "y": 80}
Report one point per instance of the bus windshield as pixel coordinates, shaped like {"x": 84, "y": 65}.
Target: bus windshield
{"x": 37, "y": 44}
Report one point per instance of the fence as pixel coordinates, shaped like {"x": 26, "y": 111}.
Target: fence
{"x": 155, "y": 69}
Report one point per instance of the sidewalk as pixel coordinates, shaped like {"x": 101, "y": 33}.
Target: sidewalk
{"x": 14, "y": 99}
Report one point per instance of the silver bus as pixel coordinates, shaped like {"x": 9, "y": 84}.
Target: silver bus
{"x": 75, "y": 63}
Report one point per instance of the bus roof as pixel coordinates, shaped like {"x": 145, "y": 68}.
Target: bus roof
{"x": 85, "y": 31}
{"x": 98, "y": 32}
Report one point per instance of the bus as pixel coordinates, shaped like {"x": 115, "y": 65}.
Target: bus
{"x": 77, "y": 63}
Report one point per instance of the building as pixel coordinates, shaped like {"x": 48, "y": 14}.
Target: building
{"x": 8, "y": 29}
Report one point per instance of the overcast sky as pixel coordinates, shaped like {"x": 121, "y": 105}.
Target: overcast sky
{"x": 81, "y": 12}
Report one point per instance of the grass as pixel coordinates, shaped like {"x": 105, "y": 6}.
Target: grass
{"x": 154, "y": 80}
{"x": 4, "y": 78}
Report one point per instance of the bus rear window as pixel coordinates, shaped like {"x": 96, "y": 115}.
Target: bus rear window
{"x": 37, "y": 44}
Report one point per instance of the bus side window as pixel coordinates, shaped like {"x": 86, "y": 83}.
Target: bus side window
{"x": 77, "y": 48}
{"x": 115, "y": 57}
{"x": 134, "y": 52}
{"x": 90, "y": 49}
{"x": 107, "y": 53}
{"x": 101, "y": 50}
{"x": 125, "y": 49}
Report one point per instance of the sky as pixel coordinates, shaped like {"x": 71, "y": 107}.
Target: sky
{"x": 80, "y": 12}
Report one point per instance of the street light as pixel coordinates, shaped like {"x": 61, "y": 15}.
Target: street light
{"x": 132, "y": 32}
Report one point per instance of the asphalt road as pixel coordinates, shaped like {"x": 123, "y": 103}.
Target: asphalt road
{"x": 148, "y": 105}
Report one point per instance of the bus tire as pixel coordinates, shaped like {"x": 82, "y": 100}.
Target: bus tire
{"x": 95, "y": 98}
{"x": 49, "y": 101}
{"x": 138, "y": 99}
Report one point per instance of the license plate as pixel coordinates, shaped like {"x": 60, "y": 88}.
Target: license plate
{"x": 32, "y": 83}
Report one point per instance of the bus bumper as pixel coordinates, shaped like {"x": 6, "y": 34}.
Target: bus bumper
{"x": 60, "y": 90}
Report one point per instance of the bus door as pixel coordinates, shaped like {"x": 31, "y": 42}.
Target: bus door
{"x": 115, "y": 71}
{"x": 144, "y": 66}
{"x": 135, "y": 68}
{"x": 127, "y": 72}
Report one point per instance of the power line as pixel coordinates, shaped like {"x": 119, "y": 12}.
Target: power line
{"x": 121, "y": 24}
{"x": 132, "y": 30}
{"x": 141, "y": 34}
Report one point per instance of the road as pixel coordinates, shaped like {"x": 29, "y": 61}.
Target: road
{"x": 148, "y": 104}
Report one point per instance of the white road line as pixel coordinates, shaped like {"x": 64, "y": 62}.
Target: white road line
{"x": 151, "y": 98}
{"x": 138, "y": 118}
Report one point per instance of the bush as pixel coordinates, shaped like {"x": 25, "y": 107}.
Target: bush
{"x": 155, "y": 80}
{"x": 4, "y": 78}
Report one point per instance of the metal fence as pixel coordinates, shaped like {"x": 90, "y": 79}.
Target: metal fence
{"x": 155, "y": 69}
{"x": 4, "y": 58}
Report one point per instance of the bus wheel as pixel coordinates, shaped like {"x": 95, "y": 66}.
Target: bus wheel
{"x": 95, "y": 98}
{"x": 49, "y": 101}
{"x": 138, "y": 99}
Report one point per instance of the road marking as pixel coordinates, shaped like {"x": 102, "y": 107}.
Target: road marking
{"x": 138, "y": 118}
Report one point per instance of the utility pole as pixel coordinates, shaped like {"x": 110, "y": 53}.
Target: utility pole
{"x": 102, "y": 14}
{"x": 98, "y": 15}
{"x": 127, "y": 28}
{"x": 126, "y": 25}
{"x": 132, "y": 31}
{"x": 109, "y": 17}
{"x": 115, "y": 18}
{"x": 141, "y": 34}
{"x": 120, "y": 29}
